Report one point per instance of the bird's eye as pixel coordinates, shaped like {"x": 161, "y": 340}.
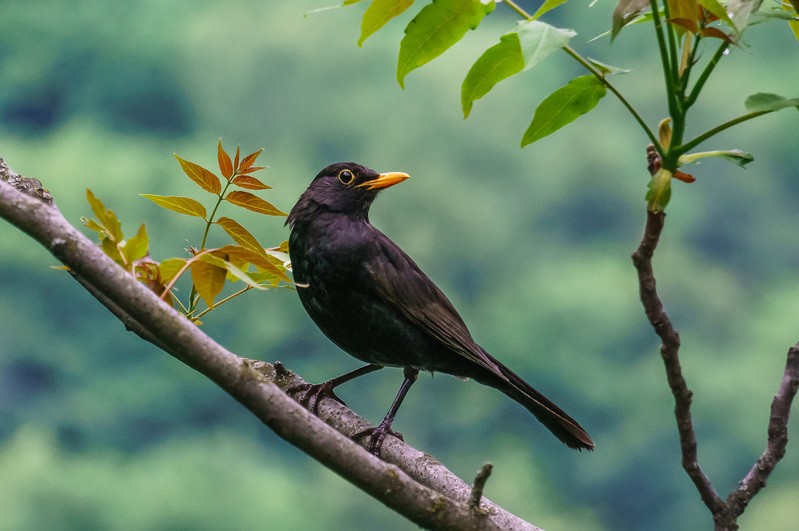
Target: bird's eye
{"x": 346, "y": 177}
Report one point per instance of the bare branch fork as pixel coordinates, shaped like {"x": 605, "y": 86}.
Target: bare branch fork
{"x": 725, "y": 512}
{"x": 407, "y": 481}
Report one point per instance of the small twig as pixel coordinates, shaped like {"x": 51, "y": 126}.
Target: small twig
{"x": 479, "y": 483}
{"x": 755, "y": 480}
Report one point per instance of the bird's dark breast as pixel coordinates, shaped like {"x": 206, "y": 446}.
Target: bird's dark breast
{"x": 331, "y": 282}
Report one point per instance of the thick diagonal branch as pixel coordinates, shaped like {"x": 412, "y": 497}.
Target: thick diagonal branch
{"x": 412, "y": 483}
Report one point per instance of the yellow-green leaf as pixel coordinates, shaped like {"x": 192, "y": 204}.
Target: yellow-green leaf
{"x": 240, "y": 235}
{"x": 254, "y": 203}
{"x": 170, "y": 267}
{"x": 659, "y": 193}
{"x": 378, "y": 14}
{"x": 204, "y": 178}
{"x": 208, "y": 279}
{"x": 182, "y": 205}
{"x": 138, "y": 246}
{"x": 106, "y": 217}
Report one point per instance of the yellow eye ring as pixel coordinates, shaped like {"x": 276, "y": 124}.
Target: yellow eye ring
{"x": 346, "y": 177}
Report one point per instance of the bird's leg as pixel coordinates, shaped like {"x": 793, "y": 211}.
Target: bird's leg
{"x": 378, "y": 433}
{"x": 325, "y": 389}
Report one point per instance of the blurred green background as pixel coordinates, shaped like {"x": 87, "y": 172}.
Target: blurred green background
{"x": 100, "y": 430}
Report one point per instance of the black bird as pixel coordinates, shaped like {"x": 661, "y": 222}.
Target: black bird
{"x": 373, "y": 301}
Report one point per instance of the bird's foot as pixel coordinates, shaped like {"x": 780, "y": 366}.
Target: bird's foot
{"x": 315, "y": 393}
{"x": 377, "y": 435}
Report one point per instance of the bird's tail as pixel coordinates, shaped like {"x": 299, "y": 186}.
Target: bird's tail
{"x": 555, "y": 419}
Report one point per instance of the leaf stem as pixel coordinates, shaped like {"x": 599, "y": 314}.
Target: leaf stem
{"x": 222, "y": 301}
{"x": 703, "y": 77}
{"x": 718, "y": 129}
{"x": 611, "y": 87}
{"x": 210, "y": 221}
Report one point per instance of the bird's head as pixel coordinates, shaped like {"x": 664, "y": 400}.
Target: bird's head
{"x": 344, "y": 187}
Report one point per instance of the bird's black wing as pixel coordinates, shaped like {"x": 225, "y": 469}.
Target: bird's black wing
{"x": 408, "y": 291}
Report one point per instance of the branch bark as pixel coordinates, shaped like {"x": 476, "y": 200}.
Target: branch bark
{"x": 407, "y": 480}
{"x": 725, "y": 512}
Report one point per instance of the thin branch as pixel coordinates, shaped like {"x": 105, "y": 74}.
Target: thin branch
{"x": 725, "y": 513}
{"x": 777, "y": 438}
{"x": 669, "y": 350}
{"x": 408, "y": 481}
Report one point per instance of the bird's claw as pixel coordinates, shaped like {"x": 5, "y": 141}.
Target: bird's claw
{"x": 315, "y": 392}
{"x": 377, "y": 435}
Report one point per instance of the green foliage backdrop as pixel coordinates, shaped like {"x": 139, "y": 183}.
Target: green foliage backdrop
{"x": 99, "y": 430}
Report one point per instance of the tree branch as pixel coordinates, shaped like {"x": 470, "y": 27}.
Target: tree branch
{"x": 408, "y": 481}
{"x": 725, "y": 513}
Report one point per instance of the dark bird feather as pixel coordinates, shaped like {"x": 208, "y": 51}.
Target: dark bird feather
{"x": 372, "y": 300}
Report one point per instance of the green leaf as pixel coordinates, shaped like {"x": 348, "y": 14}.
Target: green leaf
{"x": 517, "y": 51}
{"x": 240, "y": 235}
{"x": 437, "y": 27}
{"x": 625, "y": 11}
{"x": 736, "y": 156}
{"x": 564, "y": 106}
{"x": 548, "y": 5}
{"x": 204, "y": 178}
{"x": 764, "y": 102}
{"x": 182, "y": 205}
{"x": 139, "y": 246}
{"x": 254, "y": 203}
{"x": 659, "y": 192}
{"x": 497, "y": 63}
{"x": 539, "y": 39}
{"x": 208, "y": 279}
{"x": 378, "y": 14}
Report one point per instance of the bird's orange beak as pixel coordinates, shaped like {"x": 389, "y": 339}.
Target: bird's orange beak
{"x": 384, "y": 180}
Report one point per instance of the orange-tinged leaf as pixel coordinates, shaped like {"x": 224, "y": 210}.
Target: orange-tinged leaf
{"x": 684, "y": 177}
{"x": 204, "y": 178}
{"x": 254, "y": 203}
{"x": 685, "y": 24}
{"x": 253, "y": 169}
{"x": 225, "y": 164}
{"x": 684, "y": 14}
{"x": 208, "y": 279}
{"x": 250, "y": 183}
{"x": 236, "y": 161}
{"x": 240, "y": 235}
{"x": 249, "y": 160}
{"x": 716, "y": 33}
{"x": 182, "y": 205}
